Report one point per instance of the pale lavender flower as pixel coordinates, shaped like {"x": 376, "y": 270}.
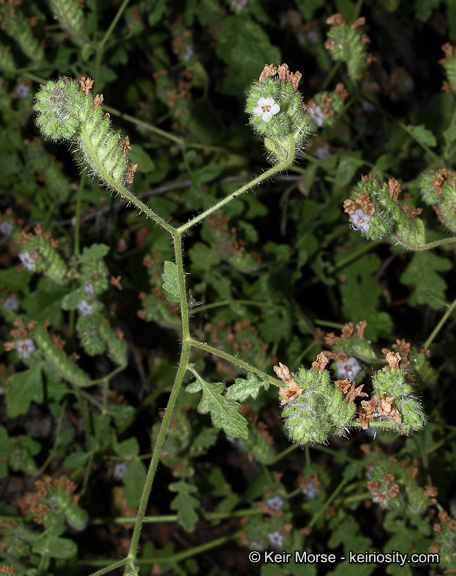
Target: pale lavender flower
{"x": 381, "y": 498}
{"x": 88, "y": 287}
{"x": 276, "y": 539}
{"x": 11, "y": 303}
{"x": 85, "y": 308}
{"x": 309, "y": 491}
{"x": 119, "y": 470}
{"x": 239, "y": 4}
{"x": 348, "y": 369}
{"x": 189, "y": 52}
{"x": 317, "y": 115}
{"x": 258, "y": 544}
{"x": 276, "y": 503}
{"x": 266, "y": 108}
{"x": 360, "y": 221}
{"x": 27, "y": 261}
{"x": 22, "y": 90}
{"x": 25, "y": 347}
{"x": 312, "y": 36}
{"x": 322, "y": 152}
{"x": 6, "y": 228}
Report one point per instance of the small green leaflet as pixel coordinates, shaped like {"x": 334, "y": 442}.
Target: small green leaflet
{"x": 171, "y": 281}
{"x": 429, "y": 287}
{"x": 24, "y": 387}
{"x": 224, "y": 412}
{"x": 423, "y": 135}
{"x": 94, "y": 252}
{"x": 243, "y": 389}
{"x": 185, "y": 504}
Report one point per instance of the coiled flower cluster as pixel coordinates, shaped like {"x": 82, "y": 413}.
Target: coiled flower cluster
{"x": 67, "y": 111}
{"x": 278, "y": 113}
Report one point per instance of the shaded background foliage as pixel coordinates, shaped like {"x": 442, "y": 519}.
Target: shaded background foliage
{"x": 265, "y": 273}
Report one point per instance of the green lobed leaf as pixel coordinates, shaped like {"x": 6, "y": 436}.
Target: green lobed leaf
{"x": 76, "y": 459}
{"x": 23, "y": 388}
{"x": 422, "y": 274}
{"x": 94, "y": 252}
{"x": 54, "y": 546}
{"x": 423, "y": 135}
{"x": 171, "y": 281}
{"x": 127, "y": 449}
{"x": 185, "y": 504}
{"x": 244, "y": 388}
{"x": 224, "y": 413}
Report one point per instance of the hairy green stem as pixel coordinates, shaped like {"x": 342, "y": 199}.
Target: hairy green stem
{"x": 437, "y": 329}
{"x": 235, "y": 361}
{"x": 271, "y": 172}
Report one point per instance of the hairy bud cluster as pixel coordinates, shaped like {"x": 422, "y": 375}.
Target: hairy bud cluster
{"x": 278, "y": 113}
{"x": 67, "y": 111}
{"x": 347, "y": 44}
{"x": 375, "y": 210}
{"x": 314, "y": 409}
{"x": 438, "y": 189}
{"x": 325, "y": 107}
{"x": 396, "y": 400}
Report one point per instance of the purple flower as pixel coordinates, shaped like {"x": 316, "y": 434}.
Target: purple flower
{"x": 119, "y": 470}
{"x": 88, "y": 287}
{"x": 27, "y": 261}
{"x": 258, "y": 544}
{"x": 25, "y": 347}
{"x": 22, "y": 90}
{"x": 312, "y": 36}
{"x": 360, "y": 221}
{"x": 276, "y": 503}
{"x": 276, "y": 539}
{"x": 85, "y": 308}
{"x": 322, "y": 152}
{"x": 266, "y": 108}
{"x": 6, "y": 228}
{"x": 317, "y": 115}
{"x": 189, "y": 52}
{"x": 348, "y": 369}
{"x": 239, "y": 4}
{"x": 11, "y": 303}
{"x": 309, "y": 491}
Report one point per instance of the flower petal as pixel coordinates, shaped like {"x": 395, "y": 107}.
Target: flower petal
{"x": 275, "y": 108}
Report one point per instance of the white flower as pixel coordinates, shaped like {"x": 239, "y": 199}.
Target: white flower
{"x": 276, "y": 539}
{"x": 120, "y": 470}
{"x": 22, "y": 90}
{"x": 6, "y": 228}
{"x": 11, "y": 303}
{"x": 27, "y": 261}
{"x": 25, "y": 347}
{"x": 84, "y": 307}
{"x": 317, "y": 115}
{"x": 266, "y": 108}
{"x": 360, "y": 221}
